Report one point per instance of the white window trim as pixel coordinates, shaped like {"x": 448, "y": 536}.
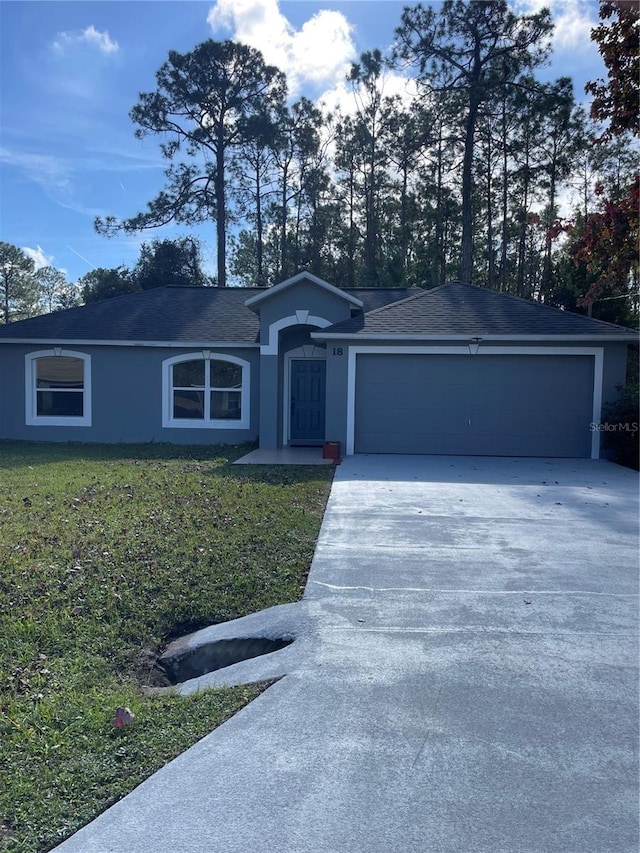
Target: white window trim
{"x": 199, "y": 423}
{"x": 31, "y": 406}
{"x": 596, "y": 352}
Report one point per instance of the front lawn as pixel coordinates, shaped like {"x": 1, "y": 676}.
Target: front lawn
{"x": 106, "y": 553}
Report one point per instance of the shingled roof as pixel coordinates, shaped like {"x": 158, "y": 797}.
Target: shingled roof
{"x": 171, "y": 314}
{"x": 467, "y": 310}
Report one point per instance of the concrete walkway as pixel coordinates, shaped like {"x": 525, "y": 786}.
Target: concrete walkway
{"x": 285, "y": 456}
{"x": 464, "y": 679}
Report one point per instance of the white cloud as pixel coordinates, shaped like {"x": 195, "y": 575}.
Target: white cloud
{"x": 573, "y": 21}
{"x": 51, "y": 173}
{"x": 323, "y": 47}
{"x": 54, "y": 176}
{"x": 574, "y": 54}
{"x": 90, "y": 36}
{"x": 319, "y": 53}
{"x": 573, "y": 28}
{"x": 38, "y": 256}
{"x": 339, "y": 98}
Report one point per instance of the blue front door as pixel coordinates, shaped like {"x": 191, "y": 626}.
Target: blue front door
{"x": 307, "y": 400}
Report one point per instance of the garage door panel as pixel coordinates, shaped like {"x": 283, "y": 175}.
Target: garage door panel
{"x": 508, "y": 405}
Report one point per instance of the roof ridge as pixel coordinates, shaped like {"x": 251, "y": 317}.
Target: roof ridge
{"x": 394, "y": 304}
{"x": 422, "y": 291}
{"x": 204, "y": 287}
{"x": 376, "y": 289}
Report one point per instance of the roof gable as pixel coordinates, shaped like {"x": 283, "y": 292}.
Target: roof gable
{"x": 270, "y": 292}
{"x": 465, "y": 310}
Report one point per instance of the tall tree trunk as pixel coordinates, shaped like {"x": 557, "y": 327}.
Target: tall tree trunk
{"x": 316, "y": 260}
{"x": 504, "y": 255}
{"x": 466, "y": 266}
{"x": 297, "y": 247}
{"x": 491, "y": 269}
{"x": 404, "y": 222}
{"x": 445, "y": 246}
{"x": 547, "y": 265}
{"x": 221, "y": 209}
{"x": 522, "y": 237}
{"x": 440, "y": 242}
{"x": 283, "y": 223}
{"x": 259, "y": 234}
{"x": 351, "y": 277}
{"x": 371, "y": 228}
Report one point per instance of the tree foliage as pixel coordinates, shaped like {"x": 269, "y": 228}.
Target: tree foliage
{"x": 56, "y": 293}
{"x": 160, "y": 263}
{"x": 169, "y": 262}
{"x": 608, "y": 245}
{"x": 480, "y": 46}
{"x": 468, "y": 176}
{"x": 618, "y": 37}
{"x": 19, "y": 289}
{"x": 101, "y": 283}
{"x": 203, "y": 107}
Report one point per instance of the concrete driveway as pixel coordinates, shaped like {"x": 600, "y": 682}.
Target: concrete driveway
{"x": 464, "y": 678}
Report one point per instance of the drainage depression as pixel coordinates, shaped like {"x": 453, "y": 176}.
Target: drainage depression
{"x": 216, "y": 655}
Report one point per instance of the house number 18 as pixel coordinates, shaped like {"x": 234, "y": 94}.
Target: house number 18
{"x": 337, "y": 351}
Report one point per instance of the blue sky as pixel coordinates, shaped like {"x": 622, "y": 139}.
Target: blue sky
{"x": 71, "y": 71}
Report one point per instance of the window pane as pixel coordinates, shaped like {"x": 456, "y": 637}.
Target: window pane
{"x": 60, "y": 404}
{"x": 225, "y": 374}
{"x": 188, "y": 404}
{"x": 188, "y": 374}
{"x": 59, "y": 371}
{"x": 225, "y": 405}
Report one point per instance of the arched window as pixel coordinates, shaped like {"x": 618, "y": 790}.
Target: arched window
{"x": 58, "y": 388}
{"x": 206, "y": 390}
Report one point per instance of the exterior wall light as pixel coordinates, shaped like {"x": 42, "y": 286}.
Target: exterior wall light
{"x": 474, "y": 346}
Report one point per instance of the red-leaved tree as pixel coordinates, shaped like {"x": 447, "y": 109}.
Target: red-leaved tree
{"x": 608, "y": 248}
{"x": 616, "y": 101}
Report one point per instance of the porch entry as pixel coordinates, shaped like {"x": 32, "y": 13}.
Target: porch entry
{"x": 307, "y": 405}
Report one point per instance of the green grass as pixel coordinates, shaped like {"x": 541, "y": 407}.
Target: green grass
{"x": 106, "y": 553}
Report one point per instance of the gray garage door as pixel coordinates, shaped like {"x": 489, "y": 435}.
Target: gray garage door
{"x": 491, "y": 405}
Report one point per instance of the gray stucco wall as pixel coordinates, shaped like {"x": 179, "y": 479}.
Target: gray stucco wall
{"x": 336, "y": 421}
{"x": 305, "y": 296}
{"x": 127, "y": 387}
{"x": 269, "y": 397}
{"x": 126, "y": 397}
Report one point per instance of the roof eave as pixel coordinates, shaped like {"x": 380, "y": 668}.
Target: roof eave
{"x": 112, "y": 342}
{"x": 385, "y": 336}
